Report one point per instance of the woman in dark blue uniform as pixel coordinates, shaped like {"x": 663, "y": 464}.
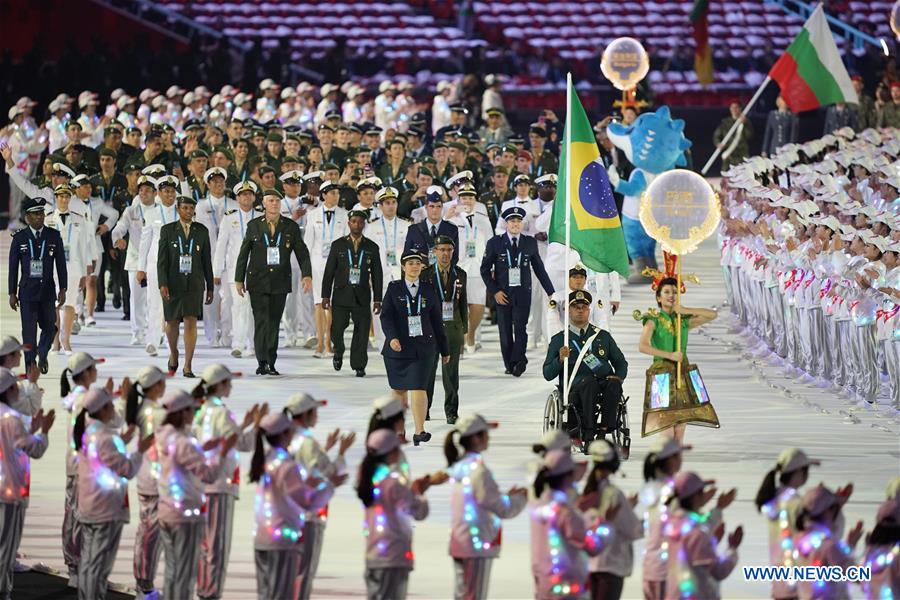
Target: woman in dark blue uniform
{"x": 413, "y": 332}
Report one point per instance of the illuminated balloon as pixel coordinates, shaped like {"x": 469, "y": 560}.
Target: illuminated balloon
{"x": 679, "y": 210}
{"x": 625, "y": 63}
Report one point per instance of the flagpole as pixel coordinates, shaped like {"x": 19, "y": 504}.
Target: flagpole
{"x": 731, "y": 131}
{"x": 568, "y": 197}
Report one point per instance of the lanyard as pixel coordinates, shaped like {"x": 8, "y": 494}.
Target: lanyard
{"x": 43, "y": 245}
{"x": 409, "y": 301}
{"x": 473, "y": 228}
{"x": 384, "y": 229}
{"x": 181, "y": 248}
{"x": 277, "y": 240}
{"x": 241, "y": 219}
{"x": 359, "y": 262}
{"x": 437, "y": 277}
{"x": 162, "y": 213}
{"x": 212, "y": 211}
{"x": 509, "y": 259}
{"x": 109, "y": 195}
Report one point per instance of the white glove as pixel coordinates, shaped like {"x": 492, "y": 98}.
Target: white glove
{"x": 613, "y": 175}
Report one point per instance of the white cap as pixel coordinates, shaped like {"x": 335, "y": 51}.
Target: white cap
{"x": 386, "y": 191}
{"x": 217, "y": 373}
{"x": 556, "y": 439}
{"x": 146, "y": 179}
{"x": 64, "y": 168}
{"x": 189, "y": 98}
{"x": 176, "y": 400}
{"x": 382, "y": 441}
{"x": 792, "y": 459}
{"x": 25, "y": 101}
{"x": 275, "y": 423}
{"x": 215, "y": 101}
{"x": 385, "y": 85}
{"x": 116, "y": 94}
{"x": 9, "y": 344}
{"x": 156, "y": 102}
{"x": 7, "y": 379}
{"x": 56, "y": 104}
{"x": 80, "y": 179}
{"x": 95, "y": 398}
{"x": 201, "y": 91}
{"x": 327, "y": 89}
{"x": 354, "y": 91}
{"x": 81, "y": 361}
{"x": 688, "y": 483}
{"x": 123, "y": 101}
{"x": 150, "y": 376}
{"x": 602, "y": 451}
{"x": 558, "y": 462}
{"x": 548, "y": 178}
{"x": 167, "y": 180}
{"x": 14, "y": 111}
{"x": 458, "y": 177}
{"x": 287, "y": 92}
{"x": 267, "y": 84}
{"x": 301, "y": 403}
{"x": 664, "y": 447}
{"x": 473, "y": 424}
{"x": 388, "y": 406}
{"x": 295, "y": 174}
{"x": 238, "y": 188}
{"x": 174, "y": 90}
{"x": 314, "y": 175}
{"x": 214, "y": 171}
{"x": 442, "y": 85}
{"x": 373, "y": 182}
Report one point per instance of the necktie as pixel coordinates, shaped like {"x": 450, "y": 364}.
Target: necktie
{"x": 328, "y": 215}
{"x": 515, "y": 245}
{"x": 433, "y": 230}
{"x": 412, "y": 288}
{"x": 63, "y": 217}
{"x": 469, "y": 217}
{"x": 272, "y": 228}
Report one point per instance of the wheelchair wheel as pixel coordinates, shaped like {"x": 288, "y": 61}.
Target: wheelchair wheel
{"x": 622, "y": 434}
{"x": 553, "y": 412}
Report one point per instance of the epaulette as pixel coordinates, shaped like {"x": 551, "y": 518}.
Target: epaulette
{"x": 599, "y": 303}
{"x": 16, "y": 232}
{"x": 230, "y": 212}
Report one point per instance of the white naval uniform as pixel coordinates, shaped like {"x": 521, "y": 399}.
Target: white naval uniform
{"x": 318, "y": 237}
{"x": 78, "y": 243}
{"x": 473, "y": 237}
{"x": 104, "y": 469}
{"x": 209, "y": 213}
{"x": 56, "y": 133}
{"x": 310, "y": 455}
{"x": 390, "y": 235}
{"x": 228, "y": 246}
{"x": 94, "y": 209}
{"x": 539, "y": 306}
{"x": 154, "y": 220}
{"x": 132, "y": 224}
{"x": 293, "y": 321}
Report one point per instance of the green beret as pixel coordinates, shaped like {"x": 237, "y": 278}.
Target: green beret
{"x": 291, "y": 159}
{"x": 330, "y": 166}
{"x": 198, "y": 153}
{"x": 107, "y": 152}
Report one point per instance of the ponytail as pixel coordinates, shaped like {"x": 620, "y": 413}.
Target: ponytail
{"x": 540, "y": 480}
{"x": 133, "y": 403}
{"x": 4, "y": 395}
{"x": 378, "y": 422}
{"x": 199, "y": 392}
{"x": 593, "y": 481}
{"x": 800, "y": 522}
{"x": 258, "y": 462}
{"x": 539, "y": 449}
{"x": 650, "y": 466}
{"x": 78, "y": 430}
{"x": 451, "y": 452}
{"x": 365, "y": 491}
{"x": 767, "y": 489}
{"x": 64, "y": 386}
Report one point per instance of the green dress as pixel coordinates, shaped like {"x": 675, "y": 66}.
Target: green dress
{"x": 665, "y": 403}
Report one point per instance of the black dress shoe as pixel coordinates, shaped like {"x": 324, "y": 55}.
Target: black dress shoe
{"x": 337, "y": 362}
{"x": 117, "y": 302}
{"x": 451, "y": 420}
{"x": 100, "y": 308}
{"x": 43, "y": 366}
{"x": 418, "y": 438}
{"x": 271, "y": 370}
{"x": 518, "y": 369}
{"x": 360, "y": 372}
{"x": 188, "y": 374}
{"x": 508, "y": 372}
{"x": 262, "y": 369}
{"x": 126, "y": 317}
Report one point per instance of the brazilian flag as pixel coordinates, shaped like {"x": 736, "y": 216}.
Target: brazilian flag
{"x": 596, "y": 231}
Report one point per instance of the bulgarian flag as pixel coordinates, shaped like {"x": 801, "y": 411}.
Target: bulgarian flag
{"x": 703, "y": 59}
{"x": 810, "y": 73}
{"x": 584, "y": 202}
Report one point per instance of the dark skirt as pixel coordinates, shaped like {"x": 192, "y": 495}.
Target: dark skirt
{"x": 185, "y": 304}
{"x": 409, "y": 373}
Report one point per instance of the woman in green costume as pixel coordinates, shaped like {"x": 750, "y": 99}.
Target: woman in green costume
{"x": 667, "y": 403}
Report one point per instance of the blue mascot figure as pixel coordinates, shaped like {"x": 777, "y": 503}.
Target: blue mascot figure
{"x": 654, "y": 143}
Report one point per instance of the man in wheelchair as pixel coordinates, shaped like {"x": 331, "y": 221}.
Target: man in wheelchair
{"x": 596, "y": 373}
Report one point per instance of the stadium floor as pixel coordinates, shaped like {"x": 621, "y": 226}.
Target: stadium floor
{"x": 761, "y": 412}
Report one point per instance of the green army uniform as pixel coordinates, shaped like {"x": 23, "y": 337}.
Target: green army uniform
{"x": 336, "y": 156}
{"x": 493, "y": 202}
{"x": 865, "y": 112}
{"x": 198, "y": 187}
{"x": 888, "y": 115}
{"x": 389, "y": 177}
{"x": 351, "y": 281}
{"x": 590, "y": 382}
{"x": 349, "y": 197}
{"x": 546, "y": 164}
{"x": 113, "y": 192}
{"x": 267, "y": 277}
{"x": 451, "y": 287}
{"x": 184, "y": 264}
{"x": 741, "y": 150}
{"x": 164, "y": 158}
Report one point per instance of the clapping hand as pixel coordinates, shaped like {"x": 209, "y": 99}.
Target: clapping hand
{"x": 346, "y": 441}
{"x": 725, "y": 500}
{"x": 332, "y": 439}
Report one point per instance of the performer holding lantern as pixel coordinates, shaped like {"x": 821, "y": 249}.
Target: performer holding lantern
{"x": 679, "y": 210}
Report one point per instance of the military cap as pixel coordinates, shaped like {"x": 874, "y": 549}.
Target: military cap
{"x": 304, "y": 134}
{"x": 107, "y": 152}
{"x": 73, "y": 123}
{"x": 111, "y": 129}
{"x": 354, "y": 128}
{"x": 434, "y": 193}
{"x": 513, "y": 212}
{"x": 411, "y": 254}
{"x": 61, "y": 168}
{"x": 578, "y": 269}
{"x": 548, "y": 179}
{"x": 215, "y": 171}
{"x": 516, "y": 140}
{"x": 474, "y": 148}
{"x": 169, "y": 180}
{"x": 459, "y": 178}
{"x": 443, "y": 239}
{"x": 153, "y": 134}
{"x": 501, "y": 169}
{"x": 440, "y": 144}
{"x": 274, "y": 137}
{"x": 458, "y": 108}
{"x": 358, "y": 213}
{"x": 272, "y": 192}
{"x": 155, "y": 169}
{"x": 342, "y": 127}
{"x": 580, "y": 297}
{"x": 314, "y": 176}
{"x": 295, "y": 177}
{"x": 386, "y": 192}
{"x": 492, "y": 146}
{"x": 417, "y": 119}
{"x": 131, "y": 168}
{"x": 373, "y": 130}
{"x": 397, "y": 139}
{"x": 494, "y": 110}
{"x": 80, "y": 180}
{"x": 330, "y": 167}
{"x": 34, "y": 205}
{"x": 290, "y": 158}
{"x": 181, "y": 199}
{"x": 467, "y": 189}
{"x": 198, "y": 153}
{"x": 537, "y": 129}
{"x": 193, "y": 124}
{"x": 263, "y": 168}
{"x": 62, "y": 188}
{"x": 323, "y": 126}
{"x": 522, "y": 178}
{"x": 245, "y": 186}
{"x": 415, "y": 131}
{"x": 457, "y": 145}
{"x": 426, "y": 171}
{"x": 332, "y": 114}
{"x": 369, "y": 182}
{"x": 329, "y": 186}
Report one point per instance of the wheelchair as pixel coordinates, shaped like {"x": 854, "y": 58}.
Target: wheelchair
{"x": 556, "y": 416}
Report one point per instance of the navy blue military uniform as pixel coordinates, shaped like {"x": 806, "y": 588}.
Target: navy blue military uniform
{"x": 501, "y": 255}
{"x": 37, "y": 289}
{"x": 419, "y": 237}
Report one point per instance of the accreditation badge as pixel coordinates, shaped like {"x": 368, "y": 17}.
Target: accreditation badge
{"x": 273, "y": 256}
{"x": 36, "y": 268}
{"x": 470, "y": 248}
{"x": 185, "y": 263}
{"x": 515, "y": 276}
{"x": 354, "y": 275}
{"x": 447, "y": 310}
{"x": 414, "y": 323}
